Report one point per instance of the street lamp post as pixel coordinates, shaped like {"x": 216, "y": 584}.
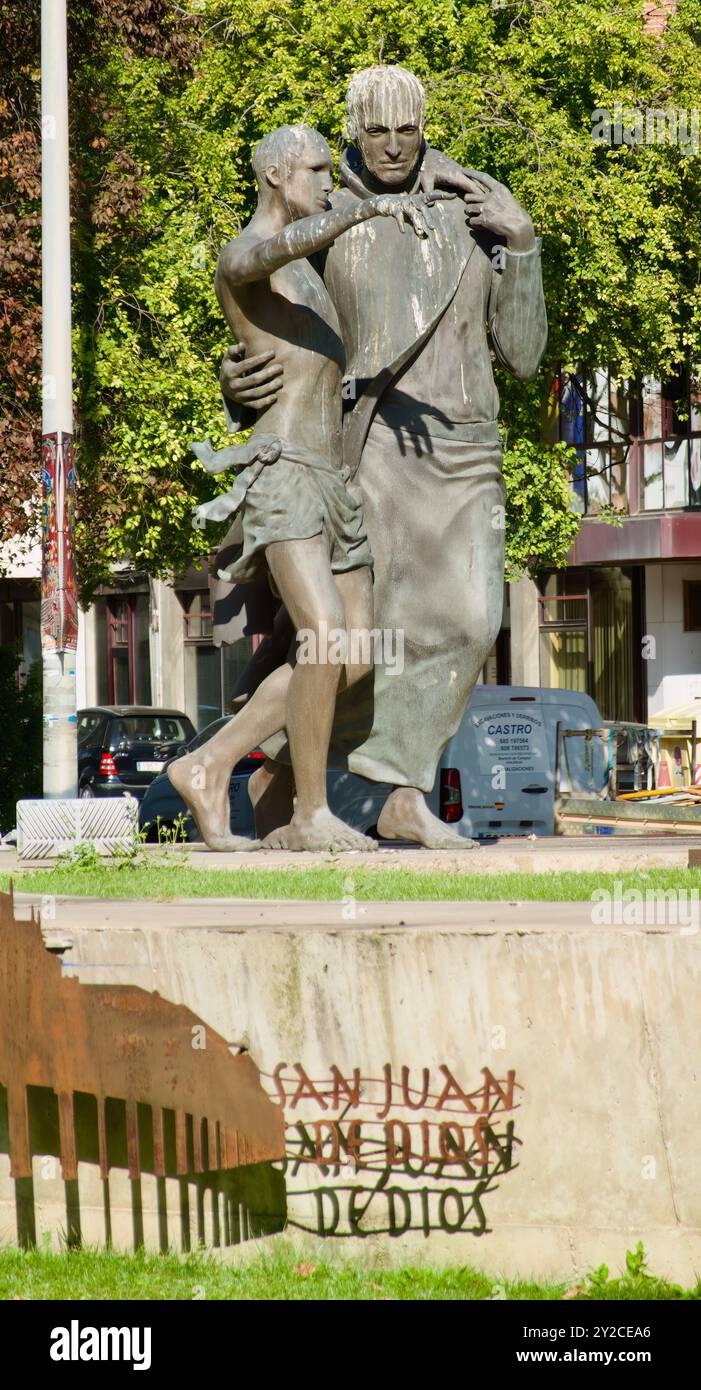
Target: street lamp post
{"x": 59, "y": 608}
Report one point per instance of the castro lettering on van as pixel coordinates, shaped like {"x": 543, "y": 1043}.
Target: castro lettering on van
{"x": 503, "y": 741}
{"x": 510, "y": 729}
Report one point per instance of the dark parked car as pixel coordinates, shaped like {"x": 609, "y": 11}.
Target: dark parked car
{"x": 122, "y": 748}
{"x": 358, "y": 802}
{"x": 161, "y": 804}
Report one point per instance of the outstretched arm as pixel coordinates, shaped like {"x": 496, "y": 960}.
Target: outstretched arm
{"x": 242, "y": 261}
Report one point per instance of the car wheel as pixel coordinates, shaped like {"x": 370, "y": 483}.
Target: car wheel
{"x": 86, "y": 792}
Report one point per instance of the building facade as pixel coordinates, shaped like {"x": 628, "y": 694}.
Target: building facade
{"x": 150, "y": 642}
{"x": 623, "y": 620}
{"x": 142, "y": 641}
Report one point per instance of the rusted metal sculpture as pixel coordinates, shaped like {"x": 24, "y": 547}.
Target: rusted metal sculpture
{"x": 122, "y": 1043}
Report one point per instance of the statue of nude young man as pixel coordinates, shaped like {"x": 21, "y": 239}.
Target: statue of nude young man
{"x": 302, "y": 527}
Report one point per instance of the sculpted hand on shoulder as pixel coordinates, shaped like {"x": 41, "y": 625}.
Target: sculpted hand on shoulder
{"x": 491, "y": 207}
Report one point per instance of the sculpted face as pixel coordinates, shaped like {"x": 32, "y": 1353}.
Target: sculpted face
{"x": 306, "y": 180}
{"x": 390, "y": 134}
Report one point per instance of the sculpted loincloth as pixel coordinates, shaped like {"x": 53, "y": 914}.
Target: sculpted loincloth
{"x": 295, "y": 496}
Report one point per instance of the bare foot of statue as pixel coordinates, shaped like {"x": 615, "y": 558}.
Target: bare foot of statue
{"x": 405, "y": 816}
{"x": 320, "y": 830}
{"x": 208, "y": 804}
{"x": 271, "y": 790}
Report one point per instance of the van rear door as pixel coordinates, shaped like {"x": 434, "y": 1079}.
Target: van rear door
{"x": 508, "y": 779}
{"x": 499, "y": 769}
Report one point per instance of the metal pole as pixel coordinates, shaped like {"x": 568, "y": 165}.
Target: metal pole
{"x": 59, "y": 608}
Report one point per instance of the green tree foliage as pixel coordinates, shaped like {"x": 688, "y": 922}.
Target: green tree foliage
{"x": 20, "y": 273}
{"x": 167, "y": 100}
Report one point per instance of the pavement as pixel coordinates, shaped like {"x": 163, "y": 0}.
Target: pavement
{"x": 557, "y": 854}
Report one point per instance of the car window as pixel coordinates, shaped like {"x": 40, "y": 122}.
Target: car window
{"x": 211, "y": 730}
{"x": 151, "y": 728}
{"x": 91, "y": 727}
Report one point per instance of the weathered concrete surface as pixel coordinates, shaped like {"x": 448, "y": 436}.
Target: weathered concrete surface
{"x": 601, "y": 1026}
{"x": 556, "y": 854}
{"x": 281, "y": 914}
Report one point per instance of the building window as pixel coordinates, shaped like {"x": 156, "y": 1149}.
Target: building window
{"x": 212, "y": 673}
{"x": 128, "y": 650}
{"x": 198, "y": 616}
{"x": 638, "y": 443}
{"x": 564, "y": 625}
{"x": 692, "y": 605}
{"x": 594, "y": 420}
{"x": 203, "y": 683}
{"x": 669, "y": 428}
{"x": 591, "y": 637}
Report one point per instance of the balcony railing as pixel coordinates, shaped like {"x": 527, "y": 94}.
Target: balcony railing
{"x": 638, "y": 444}
{"x": 647, "y": 475}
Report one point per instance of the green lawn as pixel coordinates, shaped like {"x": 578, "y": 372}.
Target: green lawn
{"x": 174, "y": 880}
{"x": 286, "y": 1274}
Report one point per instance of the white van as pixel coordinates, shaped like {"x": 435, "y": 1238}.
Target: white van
{"x": 496, "y": 776}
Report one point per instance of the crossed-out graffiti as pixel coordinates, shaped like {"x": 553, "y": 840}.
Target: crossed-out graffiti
{"x": 394, "y": 1153}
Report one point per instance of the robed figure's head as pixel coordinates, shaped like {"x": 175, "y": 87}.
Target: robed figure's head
{"x": 385, "y": 116}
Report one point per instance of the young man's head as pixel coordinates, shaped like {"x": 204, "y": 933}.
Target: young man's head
{"x": 293, "y": 167}
{"x": 385, "y": 114}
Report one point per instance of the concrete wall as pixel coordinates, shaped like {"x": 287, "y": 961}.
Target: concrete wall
{"x": 589, "y": 1146}
{"x": 674, "y": 674}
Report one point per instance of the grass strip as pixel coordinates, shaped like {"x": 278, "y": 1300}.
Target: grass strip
{"x": 285, "y": 1274}
{"x": 167, "y": 881}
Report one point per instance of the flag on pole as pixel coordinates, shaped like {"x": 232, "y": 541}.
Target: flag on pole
{"x": 59, "y": 604}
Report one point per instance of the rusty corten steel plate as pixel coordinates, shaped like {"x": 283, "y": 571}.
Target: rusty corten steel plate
{"x": 122, "y": 1042}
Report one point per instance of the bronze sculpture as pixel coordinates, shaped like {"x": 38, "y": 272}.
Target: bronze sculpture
{"x": 302, "y": 527}
{"x": 421, "y": 440}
